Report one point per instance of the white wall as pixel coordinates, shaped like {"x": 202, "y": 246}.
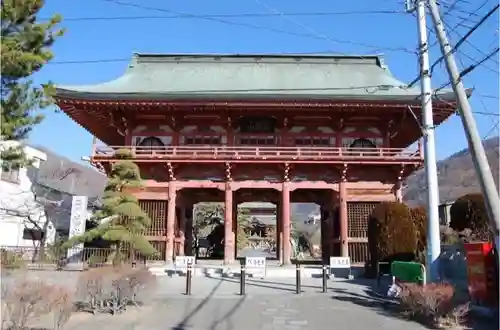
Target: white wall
{"x": 17, "y": 202}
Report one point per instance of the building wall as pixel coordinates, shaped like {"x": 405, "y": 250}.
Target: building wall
{"x": 18, "y": 203}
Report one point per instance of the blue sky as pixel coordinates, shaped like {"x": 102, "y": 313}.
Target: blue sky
{"x": 98, "y": 50}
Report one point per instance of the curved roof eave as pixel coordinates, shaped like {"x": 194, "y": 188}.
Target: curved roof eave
{"x": 173, "y": 77}
{"x": 406, "y": 96}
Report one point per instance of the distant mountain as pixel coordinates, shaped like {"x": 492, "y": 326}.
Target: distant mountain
{"x": 457, "y": 176}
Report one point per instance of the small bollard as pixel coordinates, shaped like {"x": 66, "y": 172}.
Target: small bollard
{"x": 242, "y": 280}
{"x": 325, "y": 278}
{"x": 189, "y": 276}
{"x": 298, "y": 288}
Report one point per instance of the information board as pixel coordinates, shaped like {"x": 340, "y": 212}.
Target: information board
{"x": 183, "y": 261}
{"x": 255, "y": 262}
{"x": 340, "y": 262}
{"x": 78, "y": 219}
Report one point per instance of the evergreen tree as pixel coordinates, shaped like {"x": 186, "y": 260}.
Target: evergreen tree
{"x": 120, "y": 219}
{"x": 243, "y": 224}
{"x": 25, "y": 49}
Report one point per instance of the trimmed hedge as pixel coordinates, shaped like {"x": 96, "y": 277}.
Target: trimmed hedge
{"x": 469, "y": 212}
{"x": 391, "y": 234}
{"x": 419, "y": 217}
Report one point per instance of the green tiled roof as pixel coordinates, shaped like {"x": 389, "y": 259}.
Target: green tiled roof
{"x": 177, "y": 76}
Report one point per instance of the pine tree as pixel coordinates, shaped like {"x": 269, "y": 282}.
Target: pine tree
{"x": 243, "y": 224}
{"x": 25, "y": 49}
{"x": 120, "y": 219}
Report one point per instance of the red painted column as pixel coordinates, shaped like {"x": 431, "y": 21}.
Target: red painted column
{"x": 182, "y": 229}
{"x": 228, "y": 226}
{"x": 285, "y": 213}
{"x": 188, "y": 247}
{"x": 172, "y": 195}
{"x": 235, "y": 227}
{"x": 398, "y": 192}
{"x": 279, "y": 233}
{"x": 344, "y": 233}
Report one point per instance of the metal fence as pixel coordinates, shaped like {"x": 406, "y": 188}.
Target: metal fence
{"x": 48, "y": 258}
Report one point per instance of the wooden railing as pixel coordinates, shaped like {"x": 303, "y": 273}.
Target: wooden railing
{"x": 230, "y": 153}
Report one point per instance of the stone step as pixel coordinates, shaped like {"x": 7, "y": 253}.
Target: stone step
{"x": 234, "y": 271}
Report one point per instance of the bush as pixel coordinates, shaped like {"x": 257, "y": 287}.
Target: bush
{"x": 469, "y": 212}
{"x": 391, "y": 234}
{"x": 433, "y": 304}
{"x": 419, "y": 217}
{"x": 112, "y": 289}
{"x": 26, "y": 300}
{"x": 448, "y": 235}
{"x": 11, "y": 259}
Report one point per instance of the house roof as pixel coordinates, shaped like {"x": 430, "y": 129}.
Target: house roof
{"x": 222, "y": 76}
{"x": 64, "y": 175}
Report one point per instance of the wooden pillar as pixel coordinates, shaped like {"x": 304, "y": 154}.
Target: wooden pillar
{"x": 279, "y": 233}
{"x": 188, "y": 246}
{"x": 344, "y": 233}
{"x": 172, "y": 194}
{"x": 235, "y": 227}
{"x": 228, "y": 227}
{"x": 285, "y": 220}
{"x": 398, "y": 192}
{"x": 182, "y": 229}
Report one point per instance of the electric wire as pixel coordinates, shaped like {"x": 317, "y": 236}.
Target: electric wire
{"x": 458, "y": 44}
{"x": 253, "y": 26}
{"x": 240, "y": 15}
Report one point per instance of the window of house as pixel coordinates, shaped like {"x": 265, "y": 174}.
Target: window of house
{"x": 10, "y": 174}
{"x": 33, "y": 234}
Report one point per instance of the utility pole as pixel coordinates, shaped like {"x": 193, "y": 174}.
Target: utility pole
{"x": 481, "y": 165}
{"x": 433, "y": 235}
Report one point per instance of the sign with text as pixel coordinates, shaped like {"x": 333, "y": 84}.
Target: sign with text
{"x": 184, "y": 261}
{"x": 255, "y": 262}
{"x": 340, "y": 262}
{"x": 78, "y": 219}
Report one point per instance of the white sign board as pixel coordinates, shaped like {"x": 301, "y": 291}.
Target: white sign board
{"x": 183, "y": 261}
{"x": 77, "y": 223}
{"x": 340, "y": 262}
{"x": 255, "y": 262}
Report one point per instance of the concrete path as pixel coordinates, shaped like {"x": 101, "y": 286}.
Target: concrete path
{"x": 270, "y": 304}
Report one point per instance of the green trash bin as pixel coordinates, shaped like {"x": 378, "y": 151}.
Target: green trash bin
{"x": 409, "y": 272}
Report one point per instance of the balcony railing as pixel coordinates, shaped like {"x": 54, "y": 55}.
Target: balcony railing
{"x": 262, "y": 154}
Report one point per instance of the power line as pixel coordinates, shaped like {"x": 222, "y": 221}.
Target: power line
{"x": 471, "y": 67}
{"x": 459, "y": 43}
{"x": 257, "y": 27}
{"x": 240, "y": 15}
{"x": 474, "y": 13}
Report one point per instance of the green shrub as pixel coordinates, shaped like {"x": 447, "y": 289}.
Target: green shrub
{"x": 391, "y": 233}
{"x": 448, "y": 235}
{"x": 469, "y": 212}
{"x": 419, "y": 217}
{"x": 10, "y": 259}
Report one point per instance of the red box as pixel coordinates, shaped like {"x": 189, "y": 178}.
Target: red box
{"x": 481, "y": 272}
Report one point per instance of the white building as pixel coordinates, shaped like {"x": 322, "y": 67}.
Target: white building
{"x": 22, "y": 216}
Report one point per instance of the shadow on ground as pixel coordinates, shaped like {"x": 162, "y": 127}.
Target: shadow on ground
{"x": 184, "y": 324}
{"x": 390, "y": 308}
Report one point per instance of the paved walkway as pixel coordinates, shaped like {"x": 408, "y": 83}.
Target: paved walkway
{"x": 269, "y": 305}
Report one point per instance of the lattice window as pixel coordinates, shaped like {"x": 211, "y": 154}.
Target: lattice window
{"x": 160, "y": 248}
{"x": 157, "y": 211}
{"x": 358, "y": 252}
{"x": 312, "y": 141}
{"x": 357, "y": 218}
